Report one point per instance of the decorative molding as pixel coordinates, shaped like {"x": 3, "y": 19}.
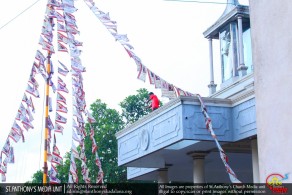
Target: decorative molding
{"x": 234, "y": 84}
{"x": 144, "y": 139}
{"x": 171, "y": 104}
{"x": 224, "y": 18}
{"x": 165, "y": 130}
{"x": 129, "y": 147}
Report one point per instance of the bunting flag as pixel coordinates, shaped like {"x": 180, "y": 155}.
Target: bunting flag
{"x": 56, "y": 158}
{"x": 30, "y": 116}
{"x": 59, "y": 128}
{"x": 100, "y": 176}
{"x": 76, "y": 137}
{"x": 25, "y": 121}
{"x": 90, "y": 118}
{"x": 16, "y": 127}
{"x": 61, "y": 108}
{"x": 61, "y": 98}
{"x": 123, "y": 39}
{"x": 40, "y": 56}
{"x": 157, "y": 81}
{"x": 180, "y": 92}
{"x": 62, "y": 88}
{"x": 49, "y": 154}
{"x": 33, "y": 81}
{"x": 75, "y": 151}
{"x": 22, "y": 109}
{"x": 151, "y": 77}
{"x": 11, "y": 156}
{"x": 32, "y": 91}
{"x": 14, "y": 136}
{"x": 63, "y": 66}
{"x": 18, "y": 116}
{"x": 60, "y": 119}
{"x": 32, "y": 106}
{"x": 50, "y": 124}
{"x": 61, "y": 82}
{"x": 3, "y": 177}
{"x": 62, "y": 47}
{"x": 62, "y": 72}
{"x": 61, "y": 27}
{"x": 70, "y": 178}
{"x": 6, "y": 148}
{"x": 232, "y": 175}
{"x": 142, "y": 73}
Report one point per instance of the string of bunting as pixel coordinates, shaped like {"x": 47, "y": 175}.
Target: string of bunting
{"x": 62, "y": 11}
{"x": 167, "y": 90}
{"x": 66, "y": 24}
{"x": 223, "y": 156}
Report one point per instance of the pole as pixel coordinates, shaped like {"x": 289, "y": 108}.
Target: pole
{"x": 46, "y": 120}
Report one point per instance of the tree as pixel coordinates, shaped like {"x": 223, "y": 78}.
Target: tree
{"x": 37, "y": 177}
{"x": 108, "y": 122}
{"x": 134, "y": 106}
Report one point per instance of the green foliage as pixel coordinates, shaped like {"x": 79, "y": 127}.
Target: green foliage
{"x": 37, "y": 177}
{"x": 134, "y": 106}
{"x": 108, "y": 122}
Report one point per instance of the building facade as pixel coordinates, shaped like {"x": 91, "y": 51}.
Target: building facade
{"x": 172, "y": 144}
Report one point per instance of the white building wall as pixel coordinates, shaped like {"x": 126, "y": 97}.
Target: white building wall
{"x": 271, "y": 33}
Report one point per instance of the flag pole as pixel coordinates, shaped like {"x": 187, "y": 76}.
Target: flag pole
{"x": 46, "y": 119}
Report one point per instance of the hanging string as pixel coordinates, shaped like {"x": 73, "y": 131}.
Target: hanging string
{"x": 208, "y": 122}
{"x": 19, "y": 14}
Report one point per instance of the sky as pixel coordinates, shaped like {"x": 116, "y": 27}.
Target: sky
{"x": 166, "y": 35}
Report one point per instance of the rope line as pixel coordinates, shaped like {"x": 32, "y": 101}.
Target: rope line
{"x": 19, "y": 14}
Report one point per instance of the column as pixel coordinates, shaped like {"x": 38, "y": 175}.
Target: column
{"x": 198, "y": 166}
{"x": 255, "y": 161}
{"x": 162, "y": 175}
{"x": 212, "y": 86}
{"x": 242, "y": 68}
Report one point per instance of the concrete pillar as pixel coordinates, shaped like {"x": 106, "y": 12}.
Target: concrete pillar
{"x": 273, "y": 90}
{"x": 198, "y": 166}
{"x": 255, "y": 161}
{"x": 162, "y": 176}
{"x": 242, "y": 68}
{"x": 212, "y": 86}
